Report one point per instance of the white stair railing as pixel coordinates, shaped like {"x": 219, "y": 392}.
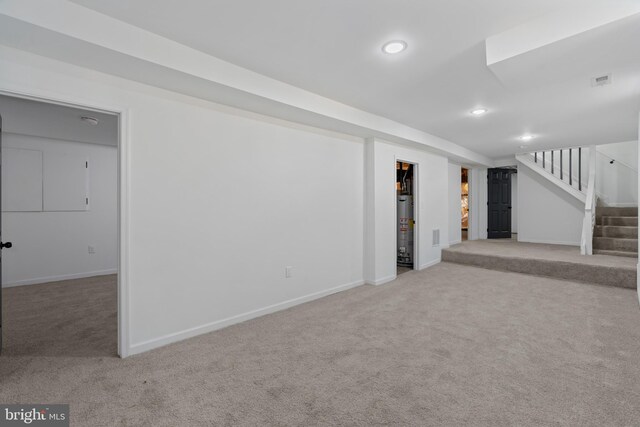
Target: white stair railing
{"x": 564, "y": 168}
{"x": 589, "y": 221}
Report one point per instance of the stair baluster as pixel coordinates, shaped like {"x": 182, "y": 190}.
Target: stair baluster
{"x": 580, "y": 168}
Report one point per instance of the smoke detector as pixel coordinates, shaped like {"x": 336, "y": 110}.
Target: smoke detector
{"x": 601, "y": 80}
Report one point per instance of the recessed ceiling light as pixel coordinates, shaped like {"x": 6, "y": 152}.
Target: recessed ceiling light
{"x": 91, "y": 120}
{"x": 526, "y": 137}
{"x": 395, "y": 46}
{"x": 478, "y": 111}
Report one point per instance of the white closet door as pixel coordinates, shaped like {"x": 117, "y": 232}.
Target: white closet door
{"x": 66, "y": 182}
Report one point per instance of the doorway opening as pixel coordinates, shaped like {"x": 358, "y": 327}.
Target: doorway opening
{"x": 464, "y": 202}
{"x": 405, "y": 216}
{"x": 60, "y": 210}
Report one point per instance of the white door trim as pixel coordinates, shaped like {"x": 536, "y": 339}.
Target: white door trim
{"x": 124, "y": 167}
{"x": 415, "y": 186}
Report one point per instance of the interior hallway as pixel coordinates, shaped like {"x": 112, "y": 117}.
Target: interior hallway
{"x": 449, "y": 345}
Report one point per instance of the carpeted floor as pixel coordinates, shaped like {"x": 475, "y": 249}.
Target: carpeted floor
{"x": 448, "y": 346}
{"x": 555, "y": 261}
{"x": 75, "y": 318}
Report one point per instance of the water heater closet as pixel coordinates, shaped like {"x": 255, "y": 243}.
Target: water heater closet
{"x": 405, "y": 214}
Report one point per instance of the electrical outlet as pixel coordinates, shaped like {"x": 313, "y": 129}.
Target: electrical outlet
{"x": 288, "y": 272}
{"x": 92, "y": 249}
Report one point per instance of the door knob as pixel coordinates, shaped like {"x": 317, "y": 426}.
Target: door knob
{"x": 7, "y": 245}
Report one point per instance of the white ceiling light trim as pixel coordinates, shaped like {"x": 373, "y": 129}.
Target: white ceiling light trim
{"x": 394, "y": 46}
{"x": 527, "y": 137}
{"x": 478, "y": 111}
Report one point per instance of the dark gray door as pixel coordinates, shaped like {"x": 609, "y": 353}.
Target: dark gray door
{"x": 1, "y": 235}
{"x": 2, "y": 245}
{"x": 499, "y": 195}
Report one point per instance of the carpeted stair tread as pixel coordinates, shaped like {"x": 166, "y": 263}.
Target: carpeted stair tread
{"x": 615, "y": 253}
{"x": 616, "y": 231}
{"x": 629, "y": 221}
{"x": 615, "y": 244}
{"x": 615, "y": 211}
{"x": 621, "y": 231}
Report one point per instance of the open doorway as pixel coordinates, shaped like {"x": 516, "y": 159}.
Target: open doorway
{"x": 60, "y": 211}
{"x": 464, "y": 203}
{"x": 405, "y": 218}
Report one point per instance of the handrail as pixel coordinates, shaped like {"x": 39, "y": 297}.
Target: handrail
{"x": 618, "y": 161}
{"x": 586, "y": 243}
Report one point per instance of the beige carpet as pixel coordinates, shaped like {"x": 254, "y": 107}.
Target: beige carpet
{"x": 452, "y": 345}
{"x": 555, "y": 261}
{"x": 67, "y": 318}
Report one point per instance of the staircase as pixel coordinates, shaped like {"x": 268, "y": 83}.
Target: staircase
{"x": 616, "y": 231}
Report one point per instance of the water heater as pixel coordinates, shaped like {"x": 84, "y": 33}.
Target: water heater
{"x": 405, "y": 230}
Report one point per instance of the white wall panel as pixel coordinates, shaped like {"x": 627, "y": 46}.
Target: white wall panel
{"x": 21, "y": 180}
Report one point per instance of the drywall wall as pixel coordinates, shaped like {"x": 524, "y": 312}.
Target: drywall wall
{"x": 514, "y": 203}
{"x": 617, "y": 182}
{"x": 546, "y": 213}
{"x": 455, "y": 207}
{"x": 478, "y": 203}
{"x": 220, "y": 202}
{"x": 49, "y": 246}
{"x": 431, "y": 202}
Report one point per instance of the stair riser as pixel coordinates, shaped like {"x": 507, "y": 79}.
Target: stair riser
{"x": 612, "y": 244}
{"x": 609, "y": 211}
{"x": 612, "y": 231}
{"x": 609, "y": 276}
{"x": 615, "y": 253}
{"x": 618, "y": 220}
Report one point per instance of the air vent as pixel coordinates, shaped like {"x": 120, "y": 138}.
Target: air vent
{"x": 436, "y": 237}
{"x": 601, "y": 80}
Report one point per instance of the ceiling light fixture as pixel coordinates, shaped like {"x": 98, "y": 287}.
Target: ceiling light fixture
{"x": 526, "y": 137}
{"x": 478, "y": 111}
{"x": 88, "y": 119}
{"x": 394, "y": 46}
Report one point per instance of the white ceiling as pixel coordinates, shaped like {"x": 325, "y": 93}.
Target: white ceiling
{"x": 27, "y": 117}
{"x": 332, "y": 48}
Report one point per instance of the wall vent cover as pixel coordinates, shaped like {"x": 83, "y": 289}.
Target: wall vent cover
{"x": 436, "y": 237}
{"x": 601, "y": 80}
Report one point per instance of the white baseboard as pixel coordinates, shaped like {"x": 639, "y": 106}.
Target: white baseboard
{"x": 430, "y": 263}
{"x": 219, "y": 324}
{"x": 455, "y": 242}
{"x": 548, "y": 242}
{"x": 382, "y": 281}
{"x": 47, "y": 279}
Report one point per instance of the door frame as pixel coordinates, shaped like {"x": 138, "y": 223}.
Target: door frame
{"x": 416, "y": 235}
{"x": 471, "y": 222}
{"x": 124, "y": 191}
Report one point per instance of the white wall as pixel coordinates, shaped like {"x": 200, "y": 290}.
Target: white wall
{"x": 455, "y": 204}
{"x": 514, "y": 203}
{"x": 478, "y": 203}
{"x": 220, "y": 202}
{"x": 546, "y": 213}
{"x": 50, "y": 246}
{"x": 617, "y": 183}
{"x": 432, "y": 204}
